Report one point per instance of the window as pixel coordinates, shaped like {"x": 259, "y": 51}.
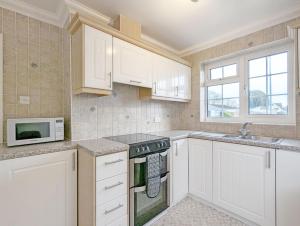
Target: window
{"x": 254, "y": 87}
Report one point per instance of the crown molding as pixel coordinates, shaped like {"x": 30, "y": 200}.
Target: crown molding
{"x": 32, "y": 11}
{"x": 160, "y": 44}
{"x": 260, "y": 25}
{"x": 75, "y": 6}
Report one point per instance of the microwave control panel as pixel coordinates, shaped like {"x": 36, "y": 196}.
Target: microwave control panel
{"x": 59, "y": 129}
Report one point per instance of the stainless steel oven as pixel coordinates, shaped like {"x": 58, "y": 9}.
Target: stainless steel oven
{"x": 143, "y": 208}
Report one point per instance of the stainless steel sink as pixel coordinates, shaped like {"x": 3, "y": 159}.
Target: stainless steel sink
{"x": 254, "y": 138}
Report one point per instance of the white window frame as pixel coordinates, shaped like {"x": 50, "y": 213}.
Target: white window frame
{"x": 241, "y": 60}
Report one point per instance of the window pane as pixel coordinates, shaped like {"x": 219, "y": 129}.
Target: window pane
{"x": 278, "y": 63}
{"x": 230, "y": 70}
{"x": 231, "y": 90}
{"x": 214, "y": 92}
{"x": 258, "y": 104}
{"x": 278, "y": 105}
{"x": 278, "y": 84}
{"x": 257, "y": 86}
{"x": 231, "y": 107}
{"x": 216, "y": 73}
{"x": 257, "y": 67}
{"x": 214, "y": 108}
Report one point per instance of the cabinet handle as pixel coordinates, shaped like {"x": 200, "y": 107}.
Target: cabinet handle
{"x": 113, "y": 162}
{"x": 177, "y": 90}
{"x": 268, "y": 160}
{"x": 135, "y": 81}
{"x": 112, "y": 186}
{"x": 110, "y": 79}
{"x": 176, "y": 146}
{"x": 113, "y": 209}
{"x": 74, "y": 161}
{"x": 154, "y": 87}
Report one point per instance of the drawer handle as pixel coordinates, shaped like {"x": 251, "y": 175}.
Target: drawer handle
{"x": 113, "y": 162}
{"x": 112, "y": 186}
{"x": 135, "y": 81}
{"x": 113, "y": 209}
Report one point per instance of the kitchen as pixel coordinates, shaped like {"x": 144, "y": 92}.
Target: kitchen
{"x": 111, "y": 116}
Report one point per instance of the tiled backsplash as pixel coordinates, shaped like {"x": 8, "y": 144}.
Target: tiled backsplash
{"x": 122, "y": 113}
{"x": 33, "y": 66}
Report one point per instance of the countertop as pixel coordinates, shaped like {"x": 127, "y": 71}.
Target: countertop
{"x": 283, "y": 144}
{"x": 102, "y": 146}
{"x": 95, "y": 147}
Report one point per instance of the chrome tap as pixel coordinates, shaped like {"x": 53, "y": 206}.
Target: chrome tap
{"x": 244, "y": 132}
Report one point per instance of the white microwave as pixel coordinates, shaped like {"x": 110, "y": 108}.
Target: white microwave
{"x": 34, "y": 130}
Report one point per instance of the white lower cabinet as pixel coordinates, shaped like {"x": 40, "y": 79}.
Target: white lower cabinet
{"x": 39, "y": 190}
{"x": 288, "y": 188}
{"x": 200, "y": 168}
{"x": 244, "y": 181}
{"x": 179, "y": 171}
{"x": 102, "y": 189}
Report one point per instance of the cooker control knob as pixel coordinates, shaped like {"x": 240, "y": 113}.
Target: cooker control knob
{"x": 148, "y": 149}
{"x": 158, "y": 145}
{"x": 138, "y": 150}
{"x": 162, "y": 143}
{"x": 143, "y": 149}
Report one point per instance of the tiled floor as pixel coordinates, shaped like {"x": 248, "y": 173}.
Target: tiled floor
{"x": 193, "y": 213}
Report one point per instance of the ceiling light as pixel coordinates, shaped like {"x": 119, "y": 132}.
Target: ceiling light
{"x": 194, "y": 0}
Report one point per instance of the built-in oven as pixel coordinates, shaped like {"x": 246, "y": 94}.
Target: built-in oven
{"x": 143, "y": 208}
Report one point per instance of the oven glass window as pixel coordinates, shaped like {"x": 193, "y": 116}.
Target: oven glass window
{"x": 26, "y": 131}
{"x": 147, "y": 208}
{"x": 139, "y": 171}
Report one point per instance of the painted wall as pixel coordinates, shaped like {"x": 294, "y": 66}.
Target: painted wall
{"x": 34, "y": 67}
{"x": 192, "y": 112}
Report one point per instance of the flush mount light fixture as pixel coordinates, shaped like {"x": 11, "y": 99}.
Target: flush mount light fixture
{"x": 194, "y": 0}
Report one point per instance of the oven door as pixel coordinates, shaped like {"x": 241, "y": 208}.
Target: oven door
{"x": 144, "y": 209}
{"x": 138, "y": 168}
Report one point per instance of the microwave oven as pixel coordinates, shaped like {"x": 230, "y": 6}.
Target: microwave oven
{"x": 34, "y": 130}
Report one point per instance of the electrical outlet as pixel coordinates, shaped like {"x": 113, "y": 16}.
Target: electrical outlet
{"x": 24, "y": 100}
{"x": 156, "y": 119}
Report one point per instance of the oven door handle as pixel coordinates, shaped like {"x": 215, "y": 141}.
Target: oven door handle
{"x": 142, "y": 160}
{"x": 143, "y": 188}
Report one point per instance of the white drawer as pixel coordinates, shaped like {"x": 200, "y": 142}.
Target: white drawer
{"x": 109, "y": 212}
{"x": 111, "y": 188}
{"x": 123, "y": 221}
{"x": 111, "y": 165}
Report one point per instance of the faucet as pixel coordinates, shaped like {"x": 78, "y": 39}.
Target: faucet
{"x": 244, "y": 132}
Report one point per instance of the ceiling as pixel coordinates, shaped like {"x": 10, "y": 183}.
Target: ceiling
{"x": 184, "y": 25}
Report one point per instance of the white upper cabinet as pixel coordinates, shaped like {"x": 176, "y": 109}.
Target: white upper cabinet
{"x": 39, "y": 190}
{"x": 162, "y": 77}
{"x": 179, "y": 171}
{"x": 200, "y": 168}
{"x": 98, "y": 59}
{"x": 91, "y": 61}
{"x": 171, "y": 80}
{"x": 244, "y": 181}
{"x": 132, "y": 64}
{"x": 287, "y": 188}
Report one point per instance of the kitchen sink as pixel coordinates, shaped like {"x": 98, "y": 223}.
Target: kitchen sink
{"x": 254, "y": 138}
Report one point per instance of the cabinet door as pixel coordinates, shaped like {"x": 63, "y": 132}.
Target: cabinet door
{"x": 132, "y": 64}
{"x": 163, "y": 77}
{"x": 179, "y": 170}
{"x": 182, "y": 81}
{"x": 97, "y": 59}
{"x": 244, "y": 181}
{"x": 200, "y": 168}
{"x": 39, "y": 190}
{"x": 287, "y": 188}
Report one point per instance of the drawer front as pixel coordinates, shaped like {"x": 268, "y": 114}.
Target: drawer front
{"x": 111, "y": 188}
{"x": 109, "y": 212}
{"x": 111, "y": 165}
{"x": 123, "y": 221}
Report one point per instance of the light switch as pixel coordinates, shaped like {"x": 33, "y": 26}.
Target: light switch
{"x": 24, "y": 100}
